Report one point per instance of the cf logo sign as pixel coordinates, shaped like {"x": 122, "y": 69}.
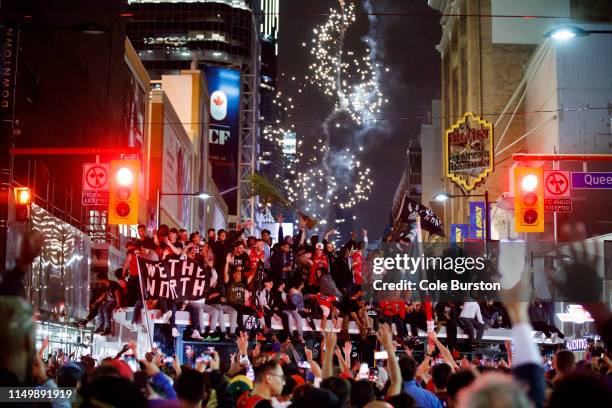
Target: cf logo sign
{"x": 217, "y": 136}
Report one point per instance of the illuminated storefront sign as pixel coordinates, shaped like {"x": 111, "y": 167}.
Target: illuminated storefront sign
{"x": 469, "y": 151}
{"x": 575, "y": 314}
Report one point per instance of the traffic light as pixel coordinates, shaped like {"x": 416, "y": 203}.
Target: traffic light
{"x": 23, "y": 198}
{"x": 123, "y": 192}
{"x": 528, "y": 199}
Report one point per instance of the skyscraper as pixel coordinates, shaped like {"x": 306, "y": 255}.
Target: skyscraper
{"x": 171, "y": 36}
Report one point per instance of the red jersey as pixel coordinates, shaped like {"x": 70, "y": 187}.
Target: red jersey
{"x": 254, "y": 258}
{"x": 326, "y": 300}
{"x": 393, "y": 308}
{"x": 357, "y": 267}
{"x": 318, "y": 261}
{"x": 134, "y": 265}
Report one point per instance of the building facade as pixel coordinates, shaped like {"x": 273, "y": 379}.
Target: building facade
{"x": 174, "y": 36}
{"x": 480, "y": 74}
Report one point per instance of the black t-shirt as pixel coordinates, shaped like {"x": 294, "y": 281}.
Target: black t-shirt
{"x": 120, "y": 286}
{"x": 172, "y": 255}
{"x": 141, "y": 242}
{"x": 243, "y": 260}
{"x": 236, "y": 292}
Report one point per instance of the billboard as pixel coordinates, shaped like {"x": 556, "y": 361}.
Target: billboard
{"x": 224, "y": 130}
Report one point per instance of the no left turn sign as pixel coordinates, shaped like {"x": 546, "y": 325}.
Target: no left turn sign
{"x": 556, "y": 184}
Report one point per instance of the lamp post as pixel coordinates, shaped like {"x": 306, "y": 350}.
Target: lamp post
{"x": 443, "y": 196}
{"x": 566, "y": 32}
{"x": 203, "y": 195}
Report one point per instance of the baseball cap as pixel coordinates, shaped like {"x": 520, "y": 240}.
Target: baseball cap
{"x": 319, "y": 246}
{"x": 239, "y": 384}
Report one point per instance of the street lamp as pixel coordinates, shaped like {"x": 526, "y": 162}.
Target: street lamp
{"x": 568, "y": 31}
{"x": 202, "y": 195}
{"x": 443, "y": 196}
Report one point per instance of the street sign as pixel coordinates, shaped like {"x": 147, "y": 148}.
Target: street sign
{"x": 130, "y": 156}
{"x": 557, "y": 184}
{"x": 591, "y": 179}
{"x": 558, "y": 204}
{"x": 95, "y": 184}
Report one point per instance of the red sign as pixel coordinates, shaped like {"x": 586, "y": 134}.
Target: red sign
{"x": 556, "y": 184}
{"x": 95, "y": 184}
{"x": 558, "y": 204}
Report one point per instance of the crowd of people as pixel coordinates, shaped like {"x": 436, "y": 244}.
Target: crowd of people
{"x": 264, "y": 374}
{"x": 301, "y": 279}
{"x": 298, "y": 279}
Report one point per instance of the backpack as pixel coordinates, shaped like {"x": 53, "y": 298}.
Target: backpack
{"x": 247, "y": 400}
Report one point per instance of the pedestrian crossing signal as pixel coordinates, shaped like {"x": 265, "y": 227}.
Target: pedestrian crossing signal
{"x": 528, "y": 199}
{"x": 123, "y": 192}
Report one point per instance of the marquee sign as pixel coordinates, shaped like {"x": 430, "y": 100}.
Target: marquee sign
{"x": 468, "y": 147}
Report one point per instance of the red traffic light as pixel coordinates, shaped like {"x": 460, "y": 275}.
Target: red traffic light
{"x": 23, "y": 198}
{"x": 529, "y": 182}
{"x": 123, "y": 192}
{"x": 125, "y": 177}
{"x": 22, "y": 195}
{"x": 528, "y": 199}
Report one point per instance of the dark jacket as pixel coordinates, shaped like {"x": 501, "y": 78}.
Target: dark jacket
{"x": 278, "y": 303}
{"x": 222, "y": 248}
{"x": 278, "y": 261}
{"x": 341, "y": 273}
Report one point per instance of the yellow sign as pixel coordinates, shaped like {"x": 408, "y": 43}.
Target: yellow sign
{"x": 468, "y": 151}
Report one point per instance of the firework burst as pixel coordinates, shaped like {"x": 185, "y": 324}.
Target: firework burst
{"x": 335, "y": 177}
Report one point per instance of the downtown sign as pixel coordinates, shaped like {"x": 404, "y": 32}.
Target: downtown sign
{"x": 468, "y": 151}
{"x": 224, "y": 130}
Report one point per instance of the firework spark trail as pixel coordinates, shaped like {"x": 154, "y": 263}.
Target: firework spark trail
{"x": 334, "y": 176}
{"x": 357, "y": 94}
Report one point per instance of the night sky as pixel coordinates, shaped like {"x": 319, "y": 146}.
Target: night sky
{"x": 406, "y": 45}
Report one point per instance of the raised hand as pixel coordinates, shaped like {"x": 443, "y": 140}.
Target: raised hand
{"x": 243, "y": 343}
{"x": 215, "y": 363}
{"x": 385, "y": 337}
{"x": 308, "y": 353}
{"x": 176, "y": 365}
{"x": 330, "y": 341}
{"x": 257, "y": 350}
{"x": 407, "y": 350}
{"x": 285, "y": 358}
{"x": 430, "y": 348}
{"x": 150, "y": 369}
{"x": 348, "y": 347}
